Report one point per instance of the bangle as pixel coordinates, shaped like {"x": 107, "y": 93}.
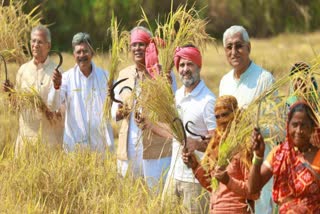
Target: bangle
{"x": 256, "y": 160}
{"x": 257, "y": 157}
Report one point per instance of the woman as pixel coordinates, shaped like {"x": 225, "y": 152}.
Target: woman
{"x": 232, "y": 194}
{"x": 294, "y": 164}
{"x": 303, "y": 86}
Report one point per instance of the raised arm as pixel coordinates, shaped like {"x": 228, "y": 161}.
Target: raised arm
{"x": 57, "y": 92}
{"x": 259, "y": 173}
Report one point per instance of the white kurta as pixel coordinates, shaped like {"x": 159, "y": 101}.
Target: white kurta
{"x": 84, "y": 98}
{"x": 254, "y": 81}
{"x": 32, "y": 122}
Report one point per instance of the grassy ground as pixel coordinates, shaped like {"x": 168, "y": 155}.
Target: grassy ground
{"x": 49, "y": 181}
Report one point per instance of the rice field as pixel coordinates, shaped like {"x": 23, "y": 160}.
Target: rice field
{"x": 46, "y": 180}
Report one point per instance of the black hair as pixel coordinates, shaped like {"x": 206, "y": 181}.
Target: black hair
{"x": 303, "y": 107}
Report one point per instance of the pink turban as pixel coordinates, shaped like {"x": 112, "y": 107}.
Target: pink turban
{"x": 189, "y": 53}
{"x": 139, "y": 35}
{"x": 151, "y": 54}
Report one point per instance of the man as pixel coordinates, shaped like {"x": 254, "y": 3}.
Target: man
{"x": 140, "y": 152}
{"x": 36, "y": 74}
{"x": 246, "y": 81}
{"x": 195, "y": 102}
{"x": 83, "y": 90}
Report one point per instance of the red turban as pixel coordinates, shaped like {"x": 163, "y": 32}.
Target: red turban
{"x": 189, "y": 53}
{"x": 151, "y": 54}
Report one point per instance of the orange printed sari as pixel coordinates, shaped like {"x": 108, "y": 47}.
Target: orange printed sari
{"x": 296, "y": 182}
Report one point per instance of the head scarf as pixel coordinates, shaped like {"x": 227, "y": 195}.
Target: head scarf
{"x": 225, "y": 104}
{"x": 151, "y": 54}
{"x": 189, "y": 53}
{"x": 290, "y": 172}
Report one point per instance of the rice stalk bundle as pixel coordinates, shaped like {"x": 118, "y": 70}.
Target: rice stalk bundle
{"x": 27, "y": 100}
{"x": 15, "y": 27}
{"x": 120, "y": 45}
{"x": 270, "y": 117}
{"x": 181, "y": 27}
{"x": 157, "y": 103}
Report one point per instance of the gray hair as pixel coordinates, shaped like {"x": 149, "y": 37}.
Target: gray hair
{"x": 81, "y": 38}
{"x": 141, "y": 28}
{"x": 233, "y": 30}
{"x": 44, "y": 29}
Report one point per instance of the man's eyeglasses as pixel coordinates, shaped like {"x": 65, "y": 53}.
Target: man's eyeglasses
{"x": 36, "y": 41}
{"x": 224, "y": 114}
{"x": 237, "y": 46}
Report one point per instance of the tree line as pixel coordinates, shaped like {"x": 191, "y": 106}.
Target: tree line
{"x": 262, "y": 18}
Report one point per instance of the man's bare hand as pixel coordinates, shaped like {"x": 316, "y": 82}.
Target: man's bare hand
{"x": 190, "y": 159}
{"x": 7, "y": 86}
{"x": 122, "y": 111}
{"x": 57, "y": 79}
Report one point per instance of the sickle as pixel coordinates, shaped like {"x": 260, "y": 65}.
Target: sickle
{"x": 192, "y": 133}
{"x": 112, "y": 94}
{"x": 184, "y": 133}
{"x": 5, "y": 68}
{"x": 60, "y": 58}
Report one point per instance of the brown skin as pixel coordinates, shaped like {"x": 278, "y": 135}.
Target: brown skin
{"x": 138, "y": 50}
{"x": 82, "y": 54}
{"x": 40, "y": 48}
{"x": 300, "y": 131}
{"x": 237, "y": 52}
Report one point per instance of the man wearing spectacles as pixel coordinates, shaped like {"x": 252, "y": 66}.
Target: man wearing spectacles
{"x": 36, "y": 74}
{"x": 246, "y": 81}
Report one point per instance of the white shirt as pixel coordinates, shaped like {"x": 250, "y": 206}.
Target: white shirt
{"x": 84, "y": 98}
{"x": 253, "y": 82}
{"x": 198, "y": 107}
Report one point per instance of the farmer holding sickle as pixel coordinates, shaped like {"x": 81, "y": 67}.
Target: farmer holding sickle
{"x": 140, "y": 152}
{"x": 83, "y": 89}
{"x": 37, "y": 74}
{"x": 195, "y": 102}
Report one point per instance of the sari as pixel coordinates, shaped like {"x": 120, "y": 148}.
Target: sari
{"x": 296, "y": 186}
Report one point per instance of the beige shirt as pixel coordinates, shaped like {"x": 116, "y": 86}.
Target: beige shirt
{"x": 154, "y": 147}
{"x": 32, "y": 122}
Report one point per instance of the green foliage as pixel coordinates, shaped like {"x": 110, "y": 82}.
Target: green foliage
{"x": 69, "y": 17}
{"x": 264, "y": 18}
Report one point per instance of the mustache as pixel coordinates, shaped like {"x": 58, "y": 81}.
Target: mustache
{"x": 83, "y": 59}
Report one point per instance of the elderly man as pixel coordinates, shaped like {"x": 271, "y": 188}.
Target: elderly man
{"x": 140, "y": 152}
{"x": 83, "y": 90}
{"x": 195, "y": 102}
{"x": 246, "y": 81}
{"x": 37, "y": 74}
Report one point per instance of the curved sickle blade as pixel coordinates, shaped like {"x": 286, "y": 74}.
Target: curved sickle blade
{"x": 192, "y": 133}
{"x": 5, "y": 67}
{"x": 60, "y": 58}
{"x": 184, "y": 132}
{"x": 125, "y": 87}
{"x": 112, "y": 94}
